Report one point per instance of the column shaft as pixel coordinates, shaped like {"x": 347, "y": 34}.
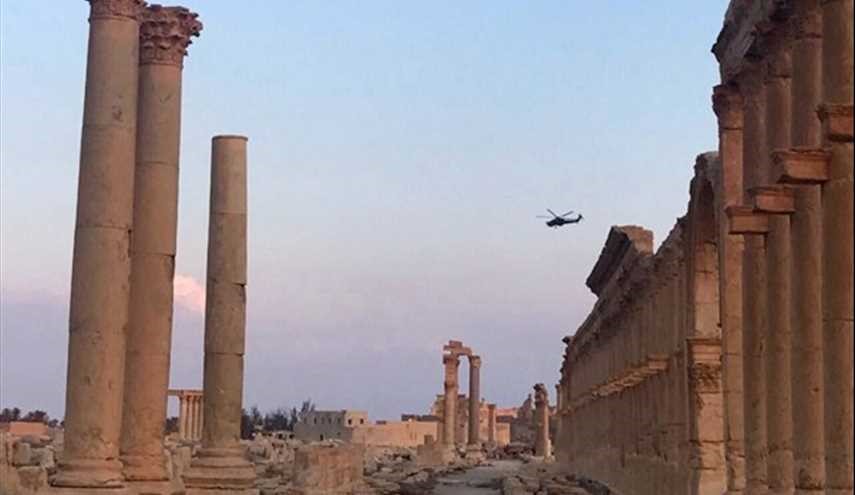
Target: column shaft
{"x": 101, "y": 262}
{"x": 837, "y": 203}
{"x": 155, "y": 222}
{"x": 474, "y": 400}
{"x": 182, "y": 417}
{"x": 449, "y": 414}
{"x": 778, "y": 263}
{"x": 541, "y": 421}
{"x": 727, "y": 103}
{"x": 221, "y": 462}
{"x": 806, "y": 242}
{"x": 754, "y": 294}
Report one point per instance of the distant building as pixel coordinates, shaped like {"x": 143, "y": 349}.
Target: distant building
{"x": 354, "y": 427}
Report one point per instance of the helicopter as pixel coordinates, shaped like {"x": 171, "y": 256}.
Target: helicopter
{"x": 560, "y": 220}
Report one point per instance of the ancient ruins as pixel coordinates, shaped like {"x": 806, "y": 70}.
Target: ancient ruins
{"x": 722, "y": 363}
{"x": 719, "y": 362}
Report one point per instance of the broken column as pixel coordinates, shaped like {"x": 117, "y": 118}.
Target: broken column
{"x": 541, "y": 421}
{"x": 165, "y": 33}
{"x": 449, "y": 410}
{"x": 101, "y": 263}
{"x": 474, "y": 400}
{"x": 221, "y": 463}
{"x": 837, "y": 205}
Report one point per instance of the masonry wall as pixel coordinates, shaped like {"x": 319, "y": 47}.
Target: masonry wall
{"x": 396, "y": 433}
{"x": 641, "y": 388}
{"x": 327, "y": 470}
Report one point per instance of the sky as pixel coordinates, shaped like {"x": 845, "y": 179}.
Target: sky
{"x": 398, "y": 155}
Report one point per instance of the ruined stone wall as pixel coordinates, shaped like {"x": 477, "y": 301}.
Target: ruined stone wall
{"x": 396, "y": 433}
{"x": 327, "y": 470}
{"x": 641, "y": 398}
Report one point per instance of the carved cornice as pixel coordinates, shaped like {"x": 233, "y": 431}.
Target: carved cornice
{"x": 111, "y": 9}
{"x": 165, "y": 34}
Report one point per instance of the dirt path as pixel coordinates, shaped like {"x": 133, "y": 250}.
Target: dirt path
{"x": 485, "y": 480}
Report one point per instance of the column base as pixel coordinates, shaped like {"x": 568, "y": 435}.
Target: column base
{"x": 139, "y": 468}
{"x": 96, "y": 474}
{"x": 220, "y": 472}
{"x": 174, "y": 487}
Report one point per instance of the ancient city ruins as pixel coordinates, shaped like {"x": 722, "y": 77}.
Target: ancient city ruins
{"x": 720, "y": 362}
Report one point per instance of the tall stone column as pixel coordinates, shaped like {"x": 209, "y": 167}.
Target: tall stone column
{"x": 778, "y": 262}
{"x": 837, "y": 203}
{"x": 541, "y": 421}
{"x": 806, "y": 246}
{"x": 474, "y": 400}
{"x": 451, "y": 363}
{"x": 755, "y": 322}
{"x": 101, "y": 263}
{"x": 222, "y": 464}
{"x": 727, "y": 104}
{"x": 194, "y": 417}
{"x": 491, "y": 424}
{"x": 164, "y": 36}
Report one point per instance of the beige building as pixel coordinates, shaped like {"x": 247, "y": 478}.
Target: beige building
{"x": 354, "y": 427}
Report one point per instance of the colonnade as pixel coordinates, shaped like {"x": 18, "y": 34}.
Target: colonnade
{"x": 190, "y": 413}
{"x": 451, "y": 362}
{"x": 750, "y": 300}
{"x": 124, "y": 258}
{"x": 786, "y": 106}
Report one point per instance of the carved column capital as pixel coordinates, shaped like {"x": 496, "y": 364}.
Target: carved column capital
{"x": 541, "y": 396}
{"x": 165, "y": 34}
{"x": 475, "y": 361}
{"x": 727, "y": 105}
{"x": 779, "y": 65}
{"x": 807, "y": 24}
{"x": 111, "y": 9}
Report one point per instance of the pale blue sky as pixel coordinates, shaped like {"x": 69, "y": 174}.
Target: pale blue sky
{"x": 399, "y": 153}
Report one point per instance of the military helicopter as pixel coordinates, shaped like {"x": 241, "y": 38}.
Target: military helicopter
{"x": 560, "y": 220}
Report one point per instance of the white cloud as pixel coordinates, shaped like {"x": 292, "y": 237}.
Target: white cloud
{"x": 189, "y": 293}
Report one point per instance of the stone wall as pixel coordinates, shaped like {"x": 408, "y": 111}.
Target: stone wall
{"x": 395, "y": 433}
{"x": 327, "y": 470}
{"x": 641, "y": 381}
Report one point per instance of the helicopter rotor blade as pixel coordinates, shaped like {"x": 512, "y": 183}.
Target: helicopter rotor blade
{"x": 552, "y": 212}
{"x": 568, "y": 213}
{"x": 542, "y": 216}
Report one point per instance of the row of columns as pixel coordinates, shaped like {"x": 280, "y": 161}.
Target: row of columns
{"x": 190, "y": 414}
{"x": 451, "y": 363}
{"x": 121, "y": 294}
{"x": 796, "y": 217}
{"x": 640, "y": 393}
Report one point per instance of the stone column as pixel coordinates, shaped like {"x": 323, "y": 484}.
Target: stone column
{"x": 727, "y": 104}
{"x": 193, "y": 417}
{"x": 183, "y": 430}
{"x": 754, "y": 294}
{"x": 101, "y": 263}
{"x": 778, "y": 263}
{"x": 451, "y": 363}
{"x": 164, "y": 36}
{"x": 221, "y": 463}
{"x": 491, "y": 424}
{"x": 837, "y": 203}
{"x": 474, "y": 400}
{"x": 806, "y": 247}
{"x": 541, "y": 421}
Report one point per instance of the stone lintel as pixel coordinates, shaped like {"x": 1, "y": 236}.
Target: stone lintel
{"x": 704, "y": 349}
{"x": 658, "y": 362}
{"x": 836, "y": 122}
{"x": 800, "y": 166}
{"x": 776, "y": 199}
{"x": 745, "y": 221}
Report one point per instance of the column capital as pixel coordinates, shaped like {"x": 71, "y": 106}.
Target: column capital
{"x": 541, "y": 396}
{"x": 165, "y": 34}
{"x": 474, "y": 361}
{"x": 727, "y": 105}
{"x": 779, "y": 64}
{"x": 808, "y": 24}
{"x": 108, "y": 9}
